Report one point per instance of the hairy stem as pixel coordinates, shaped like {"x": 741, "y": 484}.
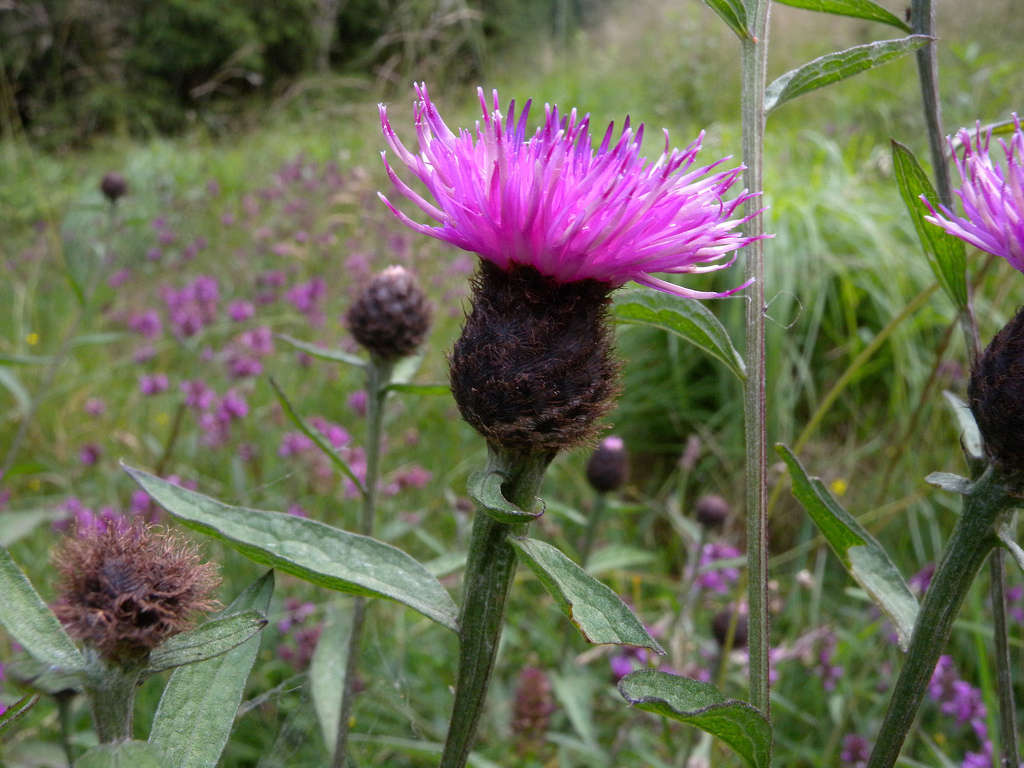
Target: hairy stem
{"x": 111, "y": 694}
{"x": 490, "y": 567}
{"x": 754, "y": 53}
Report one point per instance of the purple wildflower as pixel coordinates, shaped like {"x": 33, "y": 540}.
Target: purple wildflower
{"x": 240, "y": 310}
{"x": 550, "y": 202}
{"x": 357, "y": 402}
{"x": 89, "y": 454}
{"x": 856, "y": 751}
{"x": 147, "y": 324}
{"x": 993, "y": 198}
{"x": 95, "y": 406}
{"x": 153, "y": 385}
{"x": 718, "y": 579}
{"x": 197, "y": 394}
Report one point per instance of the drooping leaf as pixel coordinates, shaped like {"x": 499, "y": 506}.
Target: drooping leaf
{"x": 327, "y": 671}
{"x": 17, "y": 710}
{"x": 311, "y": 550}
{"x": 596, "y": 610}
{"x": 197, "y": 709}
{"x": 735, "y": 722}
{"x": 858, "y": 9}
{"x": 322, "y": 353}
{"x": 864, "y": 558}
{"x": 318, "y": 438}
{"x": 970, "y": 435}
{"x": 125, "y": 754}
{"x": 946, "y": 254}
{"x": 833, "y": 67}
{"x": 733, "y": 13}
{"x": 208, "y": 640}
{"x": 27, "y": 619}
{"x": 687, "y": 318}
{"x": 484, "y": 487}
{"x": 947, "y": 481}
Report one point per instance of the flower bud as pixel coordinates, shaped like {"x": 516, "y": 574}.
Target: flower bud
{"x": 113, "y": 186}
{"x": 125, "y": 589}
{"x": 608, "y": 467}
{"x": 534, "y": 369}
{"x": 720, "y": 628}
{"x": 996, "y": 396}
{"x": 712, "y": 511}
{"x": 391, "y": 317}
{"x": 532, "y": 708}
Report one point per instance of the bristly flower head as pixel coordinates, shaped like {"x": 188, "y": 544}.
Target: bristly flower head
{"x": 123, "y": 590}
{"x": 550, "y": 202}
{"x": 993, "y": 197}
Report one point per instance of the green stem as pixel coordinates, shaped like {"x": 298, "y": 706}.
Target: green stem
{"x": 596, "y": 513}
{"x": 490, "y": 567}
{"x": 754, "y": 53}
{"x": 1004, "y": 681}
{"x": 972, "y": 540}
{"x": 922, "y": 22}
{"x": 111, "y": 693}
{"x": 378, "y": 375}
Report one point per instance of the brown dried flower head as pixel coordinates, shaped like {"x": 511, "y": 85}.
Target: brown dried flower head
{"x": 392, "y": 315}
{"x": 123, "y": 590}
{"x": 996, "y": 396}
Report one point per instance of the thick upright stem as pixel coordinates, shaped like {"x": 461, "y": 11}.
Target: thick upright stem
{"x": 922, "y": 22}
{"x": 971, "y": 542}
{"x": 378, "y": 374}
{"x": 1009, "y": 756}
{"x": 754, "y": 57}
{"x": 490, "y": 568}
{"x": 111, "y": 695}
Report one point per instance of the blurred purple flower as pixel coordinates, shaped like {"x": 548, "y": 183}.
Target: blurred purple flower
{"x": 357, "y": 402}
{"x": 119, "y": 278}
{"x": 147, "y": 323}
{"x": 720, "y": 579}
{"x": 153, "y": 384}
{"x": 233, "y": 406}
{"x": 89, "y": 454}
{"x": 240, "y": 310}
{"x": 197, "y": 394}
{"x": 856, "y": 751}
{"x": 550, "y": 202}
{"x": 297, "y": 510}
{"x": 294, "y": 444}
{"x": 95, "y": 406}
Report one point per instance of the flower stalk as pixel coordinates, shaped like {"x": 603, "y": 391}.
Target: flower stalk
{"x": 490, "y": 569}
{"x": 111, "y": 693}
{"x": 754, "y": 54}
{"x": 974, "y": 537}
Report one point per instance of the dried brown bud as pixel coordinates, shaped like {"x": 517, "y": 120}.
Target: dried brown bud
{"x": 712, "y": 511}
{"x": 391, "y": 317}
{"x": 532, "y": 709}
{"x": 124, "y": 590}
{"x": 996, "y": 396}
{"x": 720, "y": 628}
{"x": 608, "y": 467}
{"x": 534, "y": 368}
{"x": 113, "y": 186}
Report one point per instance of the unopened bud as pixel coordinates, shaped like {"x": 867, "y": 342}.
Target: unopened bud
{"x": 113, "y": 186}
{"x": 712, "y": 511}
{"x": 531, "y": 711}
{"x": 996, "y": 395}
{"x": 720, "y": 628}
{"x": 391, "y": 317}
{"x": 608, "y": 467}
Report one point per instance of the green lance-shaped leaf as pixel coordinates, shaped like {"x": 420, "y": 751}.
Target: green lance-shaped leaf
{"x": 322, "y": 353}
{"x": 327, "y": 671}
{"x": 687, "y": 318}
{"x": 736, "y": 723}
{"x": 945, "y": 253}
{"x": 837, "y": 66}
{"x": 970, "y": 435}
{"x": 198, "y": 706}
{"x": 17, "y": 710}
{"x": 318, "y": 438}
{"x": 419, "y": 389}
{"x": 948, "y": 481}
{"x": 10, "y": 359}
{"x": 197, "y": 709}
{"x": 311, "y": 550}
{"x": 596, "y": 610}
{"x": 125, "y": 754}
{"x": 858, "y": 9}
{"x": 484, "y": 487}
{"x": 27, "y": 619}
{"x": 208, "y": 640}
{"x": 16, "y": 524}
{"x": 859, "y": 551}
{"x": 733, "y": 13}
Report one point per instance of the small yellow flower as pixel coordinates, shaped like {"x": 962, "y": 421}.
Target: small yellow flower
{"x": 34, "y": 484}
{"x": 839, "y": 486}
{"x": 163, "y": 418}
{"x": 32, "y": 339}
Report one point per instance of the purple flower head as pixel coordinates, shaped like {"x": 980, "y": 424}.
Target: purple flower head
{"x": 147, "y": 324}
{"x": 240, "y": 310}
{"x": 95, "y": 406}
{"x": 993, "y": 197}
{"x": 233, "y": 406}
{"x": 856, "y": 751}
{"x": 357, "y": 402}
{"x": 89, "y": 454}
{"x": 153, "y": 385}
{"x": 550, "y": 202}
{"x": 197, "y": 394}
{"x": 719, "y": 579}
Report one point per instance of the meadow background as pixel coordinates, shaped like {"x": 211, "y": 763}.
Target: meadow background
{"x": 251, "y": 153}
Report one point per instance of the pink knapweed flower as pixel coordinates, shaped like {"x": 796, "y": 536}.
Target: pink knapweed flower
{"x": 993, "y": 197}
{"x": 550, "y": 202}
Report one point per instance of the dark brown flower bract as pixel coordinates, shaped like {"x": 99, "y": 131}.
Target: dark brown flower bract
{"x": 608, "y": 467}
{"x": 391, "y": 317}
{"x": 113, "y": 186}
{"x": 996, "y": 396}
{"x": 712, "y": 511}
{"x": 125, "y": 590}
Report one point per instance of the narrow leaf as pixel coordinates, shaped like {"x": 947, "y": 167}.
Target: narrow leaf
{"x": 596, "y": 610}
{"x": 419, "y": 389}
{"x": 17, "y": 710}
{"x": 484, "y": 487}
{"x": 9, "y": 359}
{"x": 576, "y": 694}
{"x": 858, "y": 9}
{"x": 327, "y": 672}
{"x": 1012, "y": 547}
{"x": 309, "y": 549}
{"x": 947, "y": 481}
{"x": 970, "y": 435}
{"x": 208, "y": 640}
{"x": 197, "y": 709}
{"x": 733, "y": 13}
{"x": 126, "y": 754}
{"x": 16, "y": 524}
{"x": 618, "y": 557}
{"x": 27, "y": 619}
{"x": 322, "y": 353}
{"x": 44, "y": 678}
{"x": 406, "y": 368}
{"x": 946, "y": 254}
{"x": 859, "y": 551}
{"x": 837, "y": 66}
{"x": 318, "y": 438}
{"x": 687, "y": 318}
{"x": 736, "y": 723}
